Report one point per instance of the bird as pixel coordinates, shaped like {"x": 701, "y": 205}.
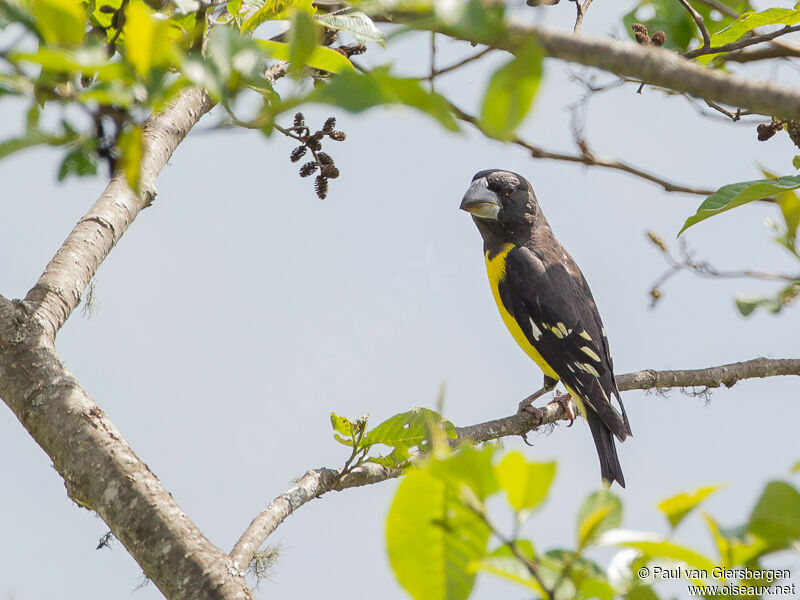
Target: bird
{"x": 547, "y": 306}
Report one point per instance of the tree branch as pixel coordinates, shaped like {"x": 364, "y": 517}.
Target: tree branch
{"x": 60, "y": 287}
{"x": 320, "y": 481}
{"x": 698, "y": 19}
{"x": 581, "y": 10}
{"x": 756, "y": 39}
{"x": 101, "y": 471}
{"x": 587, "y": 158}
{"x": 656, "y": 66}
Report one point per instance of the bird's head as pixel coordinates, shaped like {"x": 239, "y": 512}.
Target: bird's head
{"x": 501, "y": 198}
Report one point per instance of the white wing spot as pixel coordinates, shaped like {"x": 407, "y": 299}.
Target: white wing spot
{"x": 590, "y": 369}
{"x": 563, "y": 329}
{"x": 603, "y": 331}
{"x": 579, "y": 366}
{"x": 590, "y": 353}
{"x": 585, "y": 336}
{"x": 557, "y": 332}
{"x": 570, "y": 368}
{"x": 537, "y": 333}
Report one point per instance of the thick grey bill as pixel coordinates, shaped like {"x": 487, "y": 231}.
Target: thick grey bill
{"x": 480, "y": 201}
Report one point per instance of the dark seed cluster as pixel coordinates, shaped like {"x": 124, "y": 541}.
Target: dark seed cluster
{"x": 643, "y": 37}
{"x": 767, "y": 130}
{"x": 311, "y": 142}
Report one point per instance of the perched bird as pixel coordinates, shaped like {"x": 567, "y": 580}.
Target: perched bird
{"x": 547, "y": 306}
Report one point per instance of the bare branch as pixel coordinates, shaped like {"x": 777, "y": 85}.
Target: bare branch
{"x": 756, "y": 39}
{"x": 698, "y": 19}
{"x": 320, "y": 481}
{"x": 60, "y": 287}
{"x": 457, "y": 65}
{"x": 588, "y": 159}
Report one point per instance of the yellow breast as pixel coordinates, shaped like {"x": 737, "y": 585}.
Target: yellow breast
{"x": 496, "y": 267}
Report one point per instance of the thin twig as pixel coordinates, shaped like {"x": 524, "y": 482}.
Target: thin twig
{"x": 457, "y": 65}
{"x": 698, "y": 19}
{"x": 756, "y": 39}
{"x": 581, "y": 9}
{"x": 432, "y": 75}
{"x": 588, "y": 159}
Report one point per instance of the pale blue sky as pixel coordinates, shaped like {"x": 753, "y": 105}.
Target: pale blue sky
{"x": 240, "y": 310}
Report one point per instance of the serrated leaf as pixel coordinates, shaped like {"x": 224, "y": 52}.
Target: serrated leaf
{"x": 353, "y": 22}
{"x": 736, "y": 194}
{"x": 526, "y": 483}
{"x": 776, "y": 516}
{"x": 61, "y": 22}
{"x": 341, "y": 424}
{"x": 432, "y": 539}
{"x": 600, "y": 512}
{"x": 679, "y": 506}
{"x": 131, "y": 150}
{"x": 511, "y": 91}
{"x": 321, "y": 57}
{"x": 407, "y": 429}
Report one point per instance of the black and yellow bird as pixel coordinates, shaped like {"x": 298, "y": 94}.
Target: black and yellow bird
{"x": 547, "y": 306}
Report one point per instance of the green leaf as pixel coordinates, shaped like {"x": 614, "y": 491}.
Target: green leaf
{"x": 61, "y": 22}
{"x": 677, "y": 507}
{"x": 732, "y": 550}
{"x": 473, "y": 19}
{"x": 257, "y": 13}
{"x": 600, "y": 512}
{"x": 776, "y": 516}
{"x": 354, "y": 22}
{"x": 321, "y": 57}
{"x": 148, "y": 41}
{"x": 408, "y": 429}
{"x": 773, "y": 304}
{"x": 80, "y": 162}
{"x": 663, "y": 15}
{"x": 303, "y": 38}
{"x": 526, "y": 483}
{"x": 789, "y": 205}
{"x": 341, "y": 424}
{"x": 796, "y": 162}
{"x": 750, "y": 20}
{"x": 511, "y": 91}
{"x": 670, "y": 550}
{"x": 356, "y": 92}
{"x": 29, "y": 140}
{"x": 641, "y": 592}
{"x": 468, "y": 467}
{"x": 131, "y": 150}
{"x": 796, "y": 467}
{"x": 735, "y": 194}
{"x": 432, "y": 539}
{"x": 503, "y": 563}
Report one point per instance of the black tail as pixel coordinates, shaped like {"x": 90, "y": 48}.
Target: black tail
{"x": 606, "y": 450}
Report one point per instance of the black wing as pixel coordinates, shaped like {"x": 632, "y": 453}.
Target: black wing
{"x": 557, "y": 313}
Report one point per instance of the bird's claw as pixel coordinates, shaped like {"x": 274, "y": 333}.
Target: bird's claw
{"x": 566, "y": 401}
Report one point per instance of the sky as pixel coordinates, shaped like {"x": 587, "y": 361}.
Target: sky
{"x": 240, "y": 310}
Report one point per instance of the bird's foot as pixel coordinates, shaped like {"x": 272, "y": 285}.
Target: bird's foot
{"x": 568, "y": 403}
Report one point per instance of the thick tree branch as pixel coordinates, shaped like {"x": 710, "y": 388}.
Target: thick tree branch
{"x": 320, "y": 481}
{"x": 655, "y": 66}
{"x": 101, "y": 471}
{"x": 60, "y": 287}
